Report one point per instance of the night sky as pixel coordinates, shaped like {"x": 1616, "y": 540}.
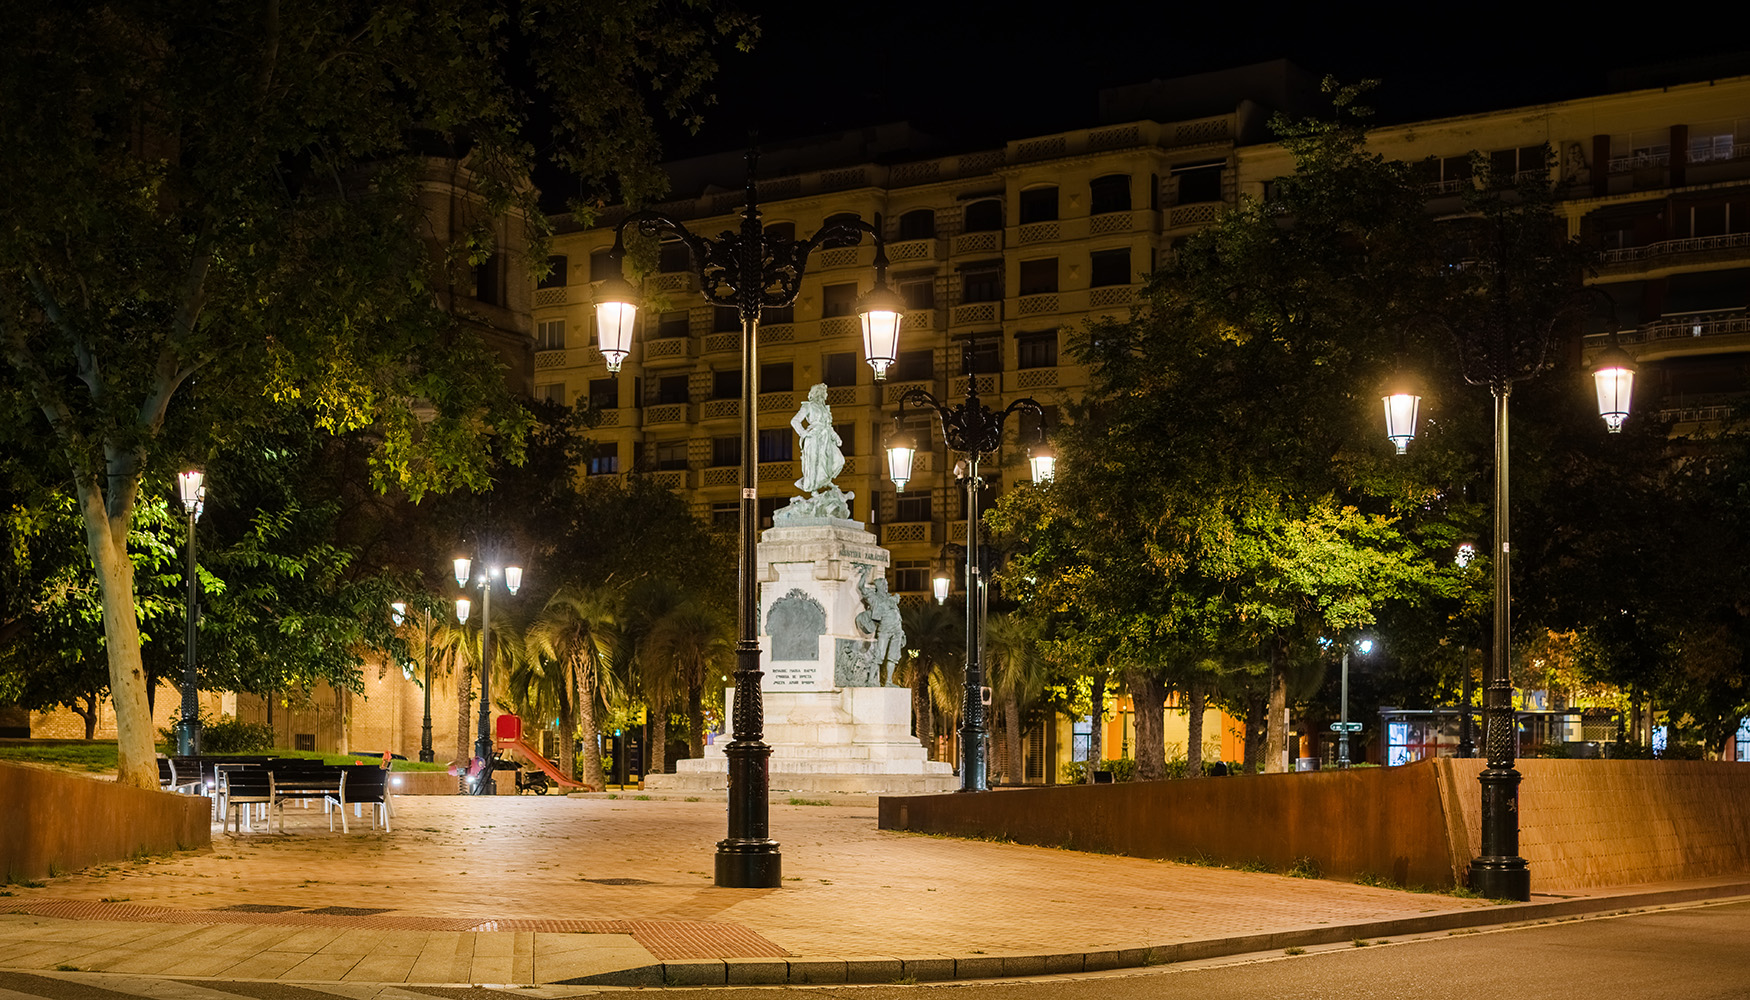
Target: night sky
{"x": 988, "y": 71}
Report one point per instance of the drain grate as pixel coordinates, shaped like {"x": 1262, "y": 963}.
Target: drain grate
{"x": 256, "y": 908}
{"x": 619, "y": 881}
{"x": 351, "y": 911}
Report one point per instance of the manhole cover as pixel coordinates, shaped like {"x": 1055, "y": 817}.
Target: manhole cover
{"x": 256, "y": 908}
{"x": 619, "y": 881}
{"x": 352, "y": 911}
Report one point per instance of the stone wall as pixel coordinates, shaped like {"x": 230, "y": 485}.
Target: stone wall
{"x": 63, "y": 821}
{"x": 1583, "y": 823}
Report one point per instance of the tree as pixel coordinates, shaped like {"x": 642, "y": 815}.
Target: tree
{"x": 935, "y": 640}
{"x": 578, "y": 630}
{"x": 214, "y": 210}
{"x": 1018, "y": 675}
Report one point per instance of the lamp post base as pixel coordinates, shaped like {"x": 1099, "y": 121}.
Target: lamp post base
{"x": 1501, "y": 878}
{"x": 1500, "y": 873}
{"x": 749, "y": 864}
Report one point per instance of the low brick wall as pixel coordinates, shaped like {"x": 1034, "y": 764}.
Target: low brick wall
{"x": 423, "y": 783}
{"x": 1583, "y": 823}
{"x": 1385, "y": 821}
{"x": 52, "y": 818}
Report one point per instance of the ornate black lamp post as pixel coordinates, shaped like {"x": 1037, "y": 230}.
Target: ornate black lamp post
{"x": 513, "y": 579}
{"x": 425, "y": 752}
{"x": 1494, "y": 356}
{"x": 976, "y": 430}
{"x": 188, "y": 731}
{"x": 750, "y": 270}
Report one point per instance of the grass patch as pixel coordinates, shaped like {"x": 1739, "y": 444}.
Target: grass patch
{"x": 1464, "y": 892}
{"x": 691, "y": 798}
{"x": 1253, "y": 866}
{"x": 66, "y": 968}
{"x": 1376, "y": 881}
{"x": 612, "y": 795}
{"x": 1362, "y": 942}
{"x": 641, "y": 798}
{"x": 906, "y": 981}
{"x": 1304, "y": 868}
{"x": 1296, "y": 950}
{"x": 92, "y": 757}
{"x": 810, "y": 802}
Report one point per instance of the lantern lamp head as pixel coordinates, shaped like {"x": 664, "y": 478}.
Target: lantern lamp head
{"x": 1613, "y": 374}
{"x": 881, "y": 312}
{"x": 616, "y": 312}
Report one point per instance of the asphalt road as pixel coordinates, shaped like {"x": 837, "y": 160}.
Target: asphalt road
{"x": 1693, "y": 953}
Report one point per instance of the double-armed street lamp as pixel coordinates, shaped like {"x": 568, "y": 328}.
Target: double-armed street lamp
{"x": 1495, "y": 358}
{"x": 426, "y": 756}
{"x": 192, "y": 490}
{"x": 750, "y": 270}
{"x": 976, "y": 430}
{"x": 513, "y": 579}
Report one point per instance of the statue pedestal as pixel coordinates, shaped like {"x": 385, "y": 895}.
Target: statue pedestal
{"x": 834, "y": 719}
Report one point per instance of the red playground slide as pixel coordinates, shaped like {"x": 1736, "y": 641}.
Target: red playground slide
{"x": 510, "y": 737}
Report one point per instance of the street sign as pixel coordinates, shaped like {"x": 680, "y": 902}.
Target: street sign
{"x": 1338, "y": 727}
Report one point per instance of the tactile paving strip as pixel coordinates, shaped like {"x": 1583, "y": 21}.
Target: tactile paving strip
{"x": 665, "y": 939}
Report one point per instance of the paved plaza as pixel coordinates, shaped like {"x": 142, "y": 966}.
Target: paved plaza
{"x": 591, "y": 889}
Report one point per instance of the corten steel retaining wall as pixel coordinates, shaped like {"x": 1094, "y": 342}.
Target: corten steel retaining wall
{"x": 69, "y": 822}
{"x": 1583, "y": 823}
{"x": 1386, "y": 821}
{"x": 1587, "y": 823}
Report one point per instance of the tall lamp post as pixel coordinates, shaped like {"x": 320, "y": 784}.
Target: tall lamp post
{"x": 976, "y": 430}
{"x": 191, "y": 488}
{"x": 513, "y": 579}
{"x": 425, "y": 752}
{"x": 1495, "y": 358}
{"x": 750, "y": 270}
{"x": 1362, "y": 646}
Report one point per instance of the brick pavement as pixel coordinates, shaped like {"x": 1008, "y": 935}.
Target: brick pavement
{"x": 529, "y": 890}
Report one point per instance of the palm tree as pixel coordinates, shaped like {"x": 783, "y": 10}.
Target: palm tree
{"x": 577, "y": 632}
{"x": 1018, "y": 671}
{"x": 454, "y": 648}
{"x": 935, "y": 637}
{"x": 696, "y": 643}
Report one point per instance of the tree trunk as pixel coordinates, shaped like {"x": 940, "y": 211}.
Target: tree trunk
{"x": 1194, "y": 731}
{"x": 464, "y": 701}
{"x": 1255, "y": 723}
{"x": 922, "y": 716}
{"x": 107, "y": 540}
{"x": 1275, "y": 725}
{"x": 88, "y": 714}
{"x": 590, "y": 770}
{"x": 568, "y": 735}
{"x": 696, "y": 720}
{"x": 656, "y": 732}
{"x": 1149, "y": 696}
{"x": 1097, "y": 734}
{"x": 1014, "y": 771}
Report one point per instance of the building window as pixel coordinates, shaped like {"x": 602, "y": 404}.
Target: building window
{"x": 673, "y": 324}
{"x": 838, "y": 300}
{"x": 1038, "y": 205}
{"x": 1039, "y": 276}
{"x": 778, "y": 376}
{"x": 604, "y": 393}
{"x": 1507, "y": 166}
{"x": 551, "y": 392}
{"x": 1109, "y": 267}
{"x": 725, "y": 319}
{"x": 983, "y": 216}
{"x": 785, "y": 231}
{"x": 489, "y": 280}
{"x": 842, "y": 241}
{"x": 1110, "y": 193}
{"x": 982, "y": 283}
{"x": 919, "y": 224}
{"x": 918, "y": 293}
{"x": 1199, "y": 182}
{"x": 911, "y": 576}
{"x": 726, "y": 450}
{"x": 987, "y": 356}
{"x": 726, "y": 384}
{"x": 671, "y": 455}
{"x": 778, "y": 314}
{"x": 912, "y": 505}
{"x": 601, "y": 266}
{"x": 768, "y": 507}
{"x": 1036, "y": 349}
{"x": 913, "y": 366}
{"x": 1711, "y": 142}
{"x": 673, "y": 257}
{"x": 726, "y": 516}
{"x": 847, "y": 437}
{"x": 605, "y": 460}
{"x": 776, "y": 444}
{"x": 557, "y": 272}
{"x": 550, "y": 335}
{"x": 839, "y": 369}
{"x": 672, "y": 389}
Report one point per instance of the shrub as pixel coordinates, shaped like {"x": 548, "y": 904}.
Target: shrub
{"x": 225, "y": 734}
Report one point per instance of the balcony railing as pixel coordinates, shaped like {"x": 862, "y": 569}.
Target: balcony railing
{"x": 912, "y": 250}
{"x": 1665, "y": 248}
{"x": 545, "y": 297}
{"x": 989, "y": 241}
{"x": 977, "y": 312}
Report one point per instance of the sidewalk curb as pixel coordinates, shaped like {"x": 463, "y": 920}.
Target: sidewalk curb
{"x": 817, "y": 970}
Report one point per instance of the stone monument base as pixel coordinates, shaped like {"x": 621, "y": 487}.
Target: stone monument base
{"x": 849, "y": 740}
